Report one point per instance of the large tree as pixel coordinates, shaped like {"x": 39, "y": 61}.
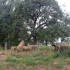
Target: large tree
{"x": 7, "y": 24}
{"x": 39, "y": 14}
{"x": 11, "y": 26}
{"x": 5, "y": 21}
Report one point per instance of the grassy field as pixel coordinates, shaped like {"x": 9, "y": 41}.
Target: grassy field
{"x": 42, "y": 59}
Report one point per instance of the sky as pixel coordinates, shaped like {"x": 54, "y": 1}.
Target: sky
{"x": 65, "y": 5}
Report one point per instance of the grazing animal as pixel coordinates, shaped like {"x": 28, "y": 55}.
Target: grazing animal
{"x": 20, "y": 46}
{"x": 29, "y": 47}
{"x": 33, "y": 47}
{"x": 57, "y": 47}
{"x": 63, "y": 47}
{"x": 13, "y": 48}
{"x": 60, "y": 47}
{"x": 26, "y": 48}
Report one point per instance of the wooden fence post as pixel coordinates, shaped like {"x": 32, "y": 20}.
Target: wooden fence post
{"x": 5, "y": 46}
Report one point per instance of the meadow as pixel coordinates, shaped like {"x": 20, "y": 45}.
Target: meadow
{"x": 44, "y": 58}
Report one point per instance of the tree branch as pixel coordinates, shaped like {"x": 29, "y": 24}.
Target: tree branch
{"x": 45, "y": 23}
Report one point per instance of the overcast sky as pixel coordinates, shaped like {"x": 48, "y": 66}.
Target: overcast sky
{"x": 65, "y": 5}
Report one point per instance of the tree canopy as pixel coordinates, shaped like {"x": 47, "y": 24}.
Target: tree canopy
{"x": 34, "y": 20}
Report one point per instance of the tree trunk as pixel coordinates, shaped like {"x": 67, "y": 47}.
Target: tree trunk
{"x": 46, "y": 42}
{"x": 35, "y": 40}
{"x": 8, "y": 44}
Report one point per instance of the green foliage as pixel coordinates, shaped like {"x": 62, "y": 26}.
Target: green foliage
{"x": 17, "y": 18}
{"x": 32, "y": 10}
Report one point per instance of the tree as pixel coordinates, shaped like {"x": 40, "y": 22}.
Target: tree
{"x": 32, "y": 19}
{"x": 11, "y": 22}
{"x": 6, "y": 20}
{"x": 39, "y": 14}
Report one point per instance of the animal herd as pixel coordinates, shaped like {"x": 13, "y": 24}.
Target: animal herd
{"x": 60, "y": 47}
{"x": 22, "y": 47}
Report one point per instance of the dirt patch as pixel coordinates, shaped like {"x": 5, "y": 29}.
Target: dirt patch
{"x": 40, "y": 67}
{"x": 3, "y": 55}
{"x": 66, "y": 67}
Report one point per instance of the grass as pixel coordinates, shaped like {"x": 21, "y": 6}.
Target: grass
{"x": 13, "y": 61}
{"x": 59, "y": 65}
{"x": 33, "y": 60}
{"x": 67, "y": 60}
{"x": 26, "y": 60}
{"x": 1, "y": 64}
{"x": 46, "y": 48}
